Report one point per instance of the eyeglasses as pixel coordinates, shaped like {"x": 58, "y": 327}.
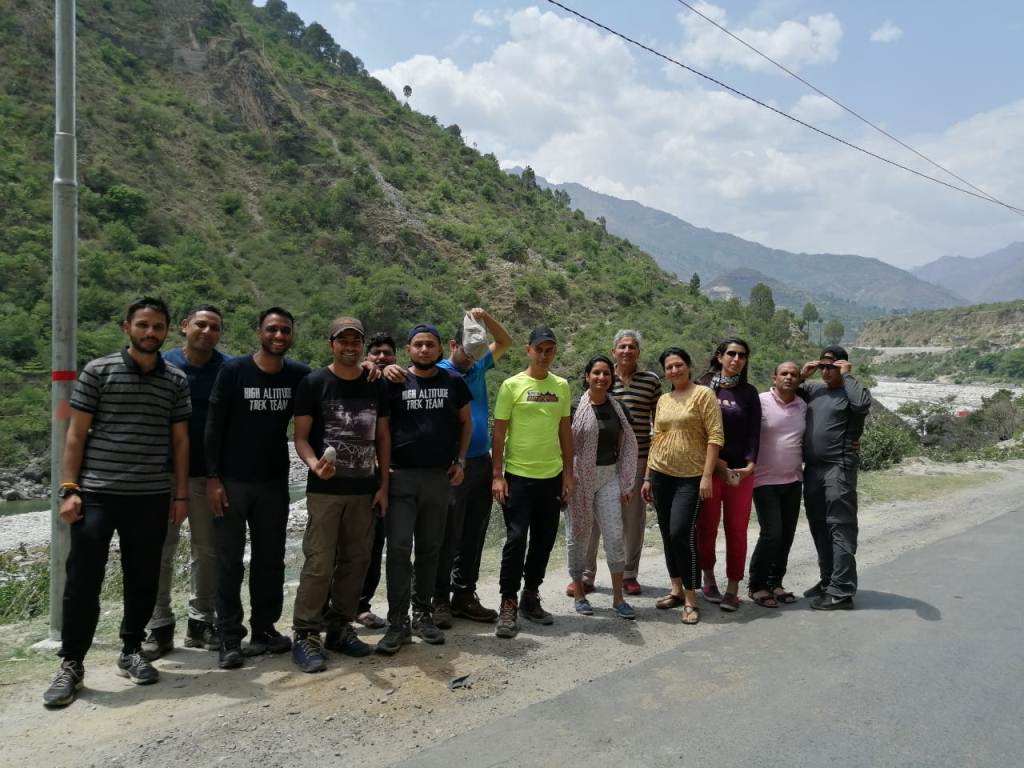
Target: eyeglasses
{"x": 734, "y": 353}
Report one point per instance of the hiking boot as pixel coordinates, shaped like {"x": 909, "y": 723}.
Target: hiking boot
{"x": 136, "y": 668}
{"x": 443, "y": 615}
{"x": 201, "y": 634}
{"x": 530, "y": 608}
{"x": 308, "y": 653}
{"x": 832, "y": 603}
{"x": 268, "y": 641}
{"x": 398, "y": 634}
{"x": 371, "y": 620}
{"x": 347, "y": 642}
{"x": 507, "y": 627}
{"x": 159, "y": 642}
{"x": 466, "y": 605}
{"x": 230, "y": 654}
{"x": 66, "y": 684}
{"x": 424, "y": 626}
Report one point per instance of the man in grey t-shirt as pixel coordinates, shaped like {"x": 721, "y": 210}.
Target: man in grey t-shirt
{"x": 836, "y": 410}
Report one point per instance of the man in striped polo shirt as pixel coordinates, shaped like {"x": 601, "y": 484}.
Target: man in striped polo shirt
{"x": 638, "y": 391}
{"x": 128, "y": 409}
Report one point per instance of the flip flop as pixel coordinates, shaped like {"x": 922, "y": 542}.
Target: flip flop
{"x": 783, "y": 596}
{"x": 765, "y": 601}
{"x": 690, "y": 615}
{"x": 669, "y": 601}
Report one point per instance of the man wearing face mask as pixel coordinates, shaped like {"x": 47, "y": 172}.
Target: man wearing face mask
{"x": 836, "y": 410}
{"x": 431, "y": 428}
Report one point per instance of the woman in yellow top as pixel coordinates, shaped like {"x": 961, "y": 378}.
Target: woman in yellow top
{"x": 685, "y": 441}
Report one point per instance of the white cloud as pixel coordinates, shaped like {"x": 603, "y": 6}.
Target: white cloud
{"x": 887, "y": 33}
{"x": 345, "y": 11}
{"x": 569, "y": 100}
{"x": 793, "y": 43}
{"x": 488, "y": 19}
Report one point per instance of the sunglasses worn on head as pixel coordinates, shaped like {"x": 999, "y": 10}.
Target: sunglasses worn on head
{"x": 734, "y": 353}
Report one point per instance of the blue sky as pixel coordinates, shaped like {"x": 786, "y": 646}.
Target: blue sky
{"x": 533, "y": 85}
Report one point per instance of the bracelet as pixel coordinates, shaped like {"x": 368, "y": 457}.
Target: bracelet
{"x": 180, "y": 498}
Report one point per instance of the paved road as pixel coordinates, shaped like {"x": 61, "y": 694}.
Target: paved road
{"x": 928, "y": 671}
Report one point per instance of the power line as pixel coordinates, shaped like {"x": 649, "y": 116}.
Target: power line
{"x": 779, "y": 112}
{"x": 839, "y": 104}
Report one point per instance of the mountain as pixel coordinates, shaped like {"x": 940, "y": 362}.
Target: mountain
{"x": 682, "y": 248}
{"x": 983, "y": 326}
{"x": 230, "y": 153}
{"x": 996, "y": 276}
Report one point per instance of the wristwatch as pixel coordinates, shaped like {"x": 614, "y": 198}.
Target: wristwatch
{"x": 67, "y": 490}
{"x": 460, "y": 462}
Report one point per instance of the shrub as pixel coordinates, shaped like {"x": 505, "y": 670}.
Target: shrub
{"x": 884, "y": 444}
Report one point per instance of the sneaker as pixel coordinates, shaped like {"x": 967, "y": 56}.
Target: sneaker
{"x": 710, "y": 593}
{"x": 625, "y": 611}
{"x": 832, "y": 603}
{"x": 584, "y": 608}
{"x": 424, "y": 626}
{"x": 268, "y": 641}
{"x": 570, "y": 588}
{"x": 347, "y": 642}
{"x": 136, "y": 668}
{"x": 631, "y": 587}
{"x": 159, "y": 642}
{"x": 308, "y": 653}
{"x": 398, "y": 634}
{"x": 508, "y": 626}
{"x": 817, "y": 590}
{"x": 230, "y": 654}
{"x": 730, "y": 602}
{"x": 66, "y": 684}
{"x": 371, "y": 620}
{"x": 200, "y": 634}
{"x": 466, "y": 605}
{"x": 530, "y": 608}
{"x": 442, "y": 615}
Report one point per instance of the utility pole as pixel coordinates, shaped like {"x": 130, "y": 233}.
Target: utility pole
{"x": 64, "y": 353}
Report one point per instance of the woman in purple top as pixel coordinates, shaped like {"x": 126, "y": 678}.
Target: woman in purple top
{"x": 733, "y": 483}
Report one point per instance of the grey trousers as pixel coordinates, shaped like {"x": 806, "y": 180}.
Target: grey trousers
{"x": 830, "y": 500}
{"x": 607, "y": 519}
{"x": 203, "y": 571}
{"x": 634, "y": 525}
{"x": 417, "y": 511}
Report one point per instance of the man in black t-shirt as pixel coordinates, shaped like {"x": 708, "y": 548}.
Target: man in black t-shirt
{"x": 341, "y": 434}
{"x": 247, "y": 469}
{"x": 430, "y": 431}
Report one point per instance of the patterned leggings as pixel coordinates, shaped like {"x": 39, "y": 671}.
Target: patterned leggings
{"x": 608, "y": 515}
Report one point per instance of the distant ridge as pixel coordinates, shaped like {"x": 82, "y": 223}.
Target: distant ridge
{"x": 996, "y": 276}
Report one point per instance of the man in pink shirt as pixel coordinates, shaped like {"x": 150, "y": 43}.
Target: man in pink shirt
{"x": 777, "y": 481}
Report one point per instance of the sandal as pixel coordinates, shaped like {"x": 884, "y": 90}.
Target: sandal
{"x": 668, "y": 601}
{"x": 764, "y": 598}
{"x": 690, "y": 615}
{"x": 783, "y": 596}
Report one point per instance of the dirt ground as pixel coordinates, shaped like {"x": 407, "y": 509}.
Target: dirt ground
{"x": 376, "y": 711}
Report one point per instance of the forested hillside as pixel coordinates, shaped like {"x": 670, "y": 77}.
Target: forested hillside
{"x": 233, "y": 154}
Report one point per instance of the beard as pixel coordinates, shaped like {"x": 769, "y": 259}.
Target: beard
{"x": 424, "y": 366}
{"x": 146, "y": 346}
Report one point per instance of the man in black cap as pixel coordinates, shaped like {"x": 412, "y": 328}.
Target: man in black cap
{"x": 836, "y": 410}
{"x": 431, "y": 427}
{"x": 532, "y": 455}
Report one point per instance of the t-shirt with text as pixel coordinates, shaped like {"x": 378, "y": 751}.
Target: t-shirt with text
{"x": 425, "y": 424}
{"x": 344, "y": 414}
{"x": 533, "y": 408}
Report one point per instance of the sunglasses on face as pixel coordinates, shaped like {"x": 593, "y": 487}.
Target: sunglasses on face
{"x": 734, "y": 353}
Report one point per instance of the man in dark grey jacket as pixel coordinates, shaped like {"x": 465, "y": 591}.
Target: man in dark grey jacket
{"x": 836, "y": 410}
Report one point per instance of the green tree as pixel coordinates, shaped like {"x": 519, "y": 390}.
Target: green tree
{"x": 762, "y": 303}
{"x": 833, "y": 331}
{"x": 809, "y": 315}
{"x": 695, "y": 284}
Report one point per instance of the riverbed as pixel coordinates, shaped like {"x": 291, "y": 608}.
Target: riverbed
{"x": 893, "y": 392}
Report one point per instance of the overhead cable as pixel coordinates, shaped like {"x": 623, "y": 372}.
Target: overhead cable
{"x": 779, "y": 112}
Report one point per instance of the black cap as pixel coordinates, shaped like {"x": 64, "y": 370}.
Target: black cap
{"x": 423, "y": 328}
{"x": 837, "y": 353}
{"x": 542, "y": 334}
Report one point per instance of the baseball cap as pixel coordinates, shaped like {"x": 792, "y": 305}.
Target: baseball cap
{"x": 836, "y": 352}
{"x": 341, "y": 324}
{"x": 542, "y": 334}
{"x": 423, "y": 328}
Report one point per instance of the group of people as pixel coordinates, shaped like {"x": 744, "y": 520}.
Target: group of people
{"x": 401, "y": 457}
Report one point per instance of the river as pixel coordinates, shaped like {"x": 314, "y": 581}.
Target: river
{"x": 893, "y": 392}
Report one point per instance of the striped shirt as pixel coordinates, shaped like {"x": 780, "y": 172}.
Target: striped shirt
{"x": 640, "y": 399}
{"x": 126, "y": 450}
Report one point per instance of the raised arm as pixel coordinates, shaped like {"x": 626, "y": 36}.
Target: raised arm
{"x": 502, "y": 340}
